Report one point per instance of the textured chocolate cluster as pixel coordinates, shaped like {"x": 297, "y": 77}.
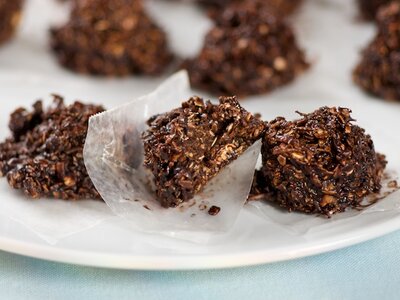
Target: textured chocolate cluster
{"x": 111, "y": 38}
{"x": 44, "y": 155}
{"x": 320, "y": 163}
{"x": 250, "y": 51}
{"x": 378, "y": 71}
{"x": 186, "y": 147}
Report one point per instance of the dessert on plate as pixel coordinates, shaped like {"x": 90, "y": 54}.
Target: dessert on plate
{"x": 111, "y": 37}
{"x": 250, "y": 51}
{"x": 378, "y": 71}
{"x": 189, "y": 145}
{"x": 321, "y": 163}
{"x": 44, "y": 155}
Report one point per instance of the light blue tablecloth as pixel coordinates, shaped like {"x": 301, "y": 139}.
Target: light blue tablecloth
{"x": 367, "y": 271}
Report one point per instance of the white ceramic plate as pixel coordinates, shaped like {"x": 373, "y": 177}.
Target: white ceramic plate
{"x": 327, "y": 29}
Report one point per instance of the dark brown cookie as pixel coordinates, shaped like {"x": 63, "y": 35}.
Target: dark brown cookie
{"x": 321, "y": 163}
{"x": 111, "y": 37}
{"x": 44, "y": 155}
{"x": 250, "y": 51}
{"x": 188, "y": 146}
{"x": 378, "y": 71}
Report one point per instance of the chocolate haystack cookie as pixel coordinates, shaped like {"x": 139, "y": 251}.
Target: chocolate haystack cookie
{"x": 369, "y": 8}
{"x": 378, "y": 71}
{"x": 321, "y": 163}
{"x": 44, "y": 155}
{"x": 10, "y": 15}
{"x": 188, "y": 146}
{"x": 111, "y": 37}
{"x": 250, "y": 51}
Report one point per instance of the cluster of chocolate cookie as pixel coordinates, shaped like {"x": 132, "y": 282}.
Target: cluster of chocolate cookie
{"x": 321, "y": 163}
{"x": 250, "y": 50}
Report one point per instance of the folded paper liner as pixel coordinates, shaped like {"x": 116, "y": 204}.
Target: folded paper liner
{"x": 125, "y": 185}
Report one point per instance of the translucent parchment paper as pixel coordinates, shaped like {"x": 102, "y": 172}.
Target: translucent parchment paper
{"x": 386, "y": 203}
{"x": 50, "y": 219}
{"x": 125, "y": 186}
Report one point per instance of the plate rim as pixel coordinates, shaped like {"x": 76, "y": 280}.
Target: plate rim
{"x": 194, "y": 261}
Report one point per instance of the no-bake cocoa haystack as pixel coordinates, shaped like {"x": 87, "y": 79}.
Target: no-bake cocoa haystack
{"x": 111, "y": 37}
{"x": 186, "y": 147}
{"x": 249, "y": 51}
{"x": 10, "y": 15}
{"x": 378, "y": 71}
{"x": 321, "y": 163}
{"x": 44, "y": 155}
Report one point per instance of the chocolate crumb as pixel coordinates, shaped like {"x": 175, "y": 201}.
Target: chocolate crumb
{"x": 146, "y": 207}
{"x": 257, "y": 116}
{"x": 202, "y": 207}
{"x": 214, "y": 210}
{"x": 392, "y": 184}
